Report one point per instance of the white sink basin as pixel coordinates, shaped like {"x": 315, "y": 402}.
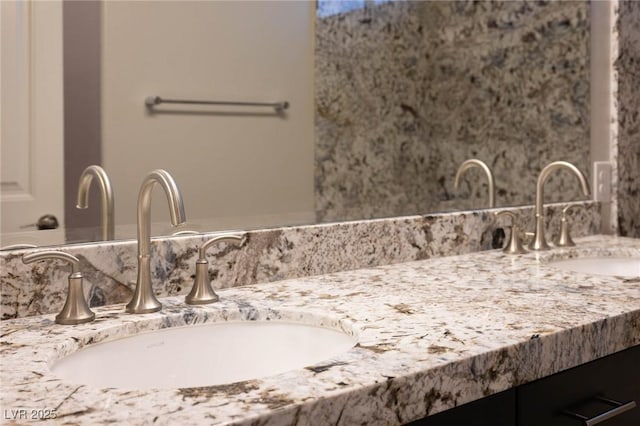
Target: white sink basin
{"x": 202, "y": 355}
{"x": 625, "y": 267}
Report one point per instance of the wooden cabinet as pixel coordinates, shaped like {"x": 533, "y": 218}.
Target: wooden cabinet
{"x": 545, "y": 401}
{"x": 616, "y": 377}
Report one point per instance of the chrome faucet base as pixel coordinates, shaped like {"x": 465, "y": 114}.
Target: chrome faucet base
{"x": 75, "y": 310}
{"x": 135, "y": 309}
{"x": 144, "y": 301}
{"x": 539, "y": 242}
{"x": 201, "y": 292}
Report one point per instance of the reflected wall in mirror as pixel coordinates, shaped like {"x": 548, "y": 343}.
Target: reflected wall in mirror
{"x": 400, "y": 93}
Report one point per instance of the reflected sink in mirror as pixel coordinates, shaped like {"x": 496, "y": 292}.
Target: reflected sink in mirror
{"x": 624, "y": 267}
{"x": 203, "y": 355}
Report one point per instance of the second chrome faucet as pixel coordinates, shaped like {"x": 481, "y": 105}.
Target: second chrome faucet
{"x": 539, "y": 241}
{"x": 144, "y": 299}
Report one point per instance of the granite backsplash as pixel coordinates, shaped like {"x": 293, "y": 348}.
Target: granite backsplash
{"x": 267, "y": 255}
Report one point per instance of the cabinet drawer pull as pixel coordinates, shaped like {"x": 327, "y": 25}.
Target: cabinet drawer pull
{"x": 618, "y": 408}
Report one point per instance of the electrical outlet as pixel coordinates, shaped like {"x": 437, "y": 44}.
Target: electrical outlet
{"x": 601, "y": 181}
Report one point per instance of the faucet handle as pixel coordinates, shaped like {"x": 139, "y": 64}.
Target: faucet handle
{"x": 515, "y": 243}
{"x": 75, "y": 310}
{"x": 202, "y": 293}
{"x": 564, "y": 239}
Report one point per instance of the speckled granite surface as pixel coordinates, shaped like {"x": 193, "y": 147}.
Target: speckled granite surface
{"x": 433, "y": 334}
{"x": 628, "y": 118}
{"x": 408, "y": 90}
{"x": 268, "y": 255}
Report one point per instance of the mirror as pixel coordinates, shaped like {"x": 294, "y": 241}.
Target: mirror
{"x": 387, "y": 99}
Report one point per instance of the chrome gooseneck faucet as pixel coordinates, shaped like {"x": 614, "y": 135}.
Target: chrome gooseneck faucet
{"x": 106, "y": 192}
{"x": 144, "y": 300}
{"x": 471, "y": 163}
{"x": 539, "y": 241}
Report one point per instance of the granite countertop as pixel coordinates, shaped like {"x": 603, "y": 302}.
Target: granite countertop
{"x": 433, "y": 334}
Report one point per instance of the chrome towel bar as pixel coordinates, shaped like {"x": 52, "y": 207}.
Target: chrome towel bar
{"x": 151, "y": 101}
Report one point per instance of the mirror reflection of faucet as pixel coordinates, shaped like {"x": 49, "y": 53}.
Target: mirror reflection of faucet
{"x": 474, "y": 162}
{"x": 106, "y": 194}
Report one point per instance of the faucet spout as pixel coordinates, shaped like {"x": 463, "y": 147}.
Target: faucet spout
{"x": 471, "y": 163}
{"x": 539, "y": 241}
{"x": 106, "y": 193}
{"x": 144, "y": 300}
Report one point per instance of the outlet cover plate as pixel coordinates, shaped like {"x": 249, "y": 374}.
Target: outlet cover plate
{"x": 602, "y": 181}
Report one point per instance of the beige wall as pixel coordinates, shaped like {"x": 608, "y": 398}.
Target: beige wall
{"x": 246, "y": 170}
{"x": 81, "y": 63}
